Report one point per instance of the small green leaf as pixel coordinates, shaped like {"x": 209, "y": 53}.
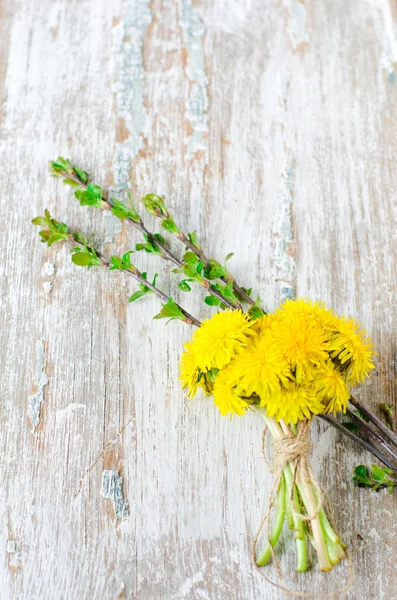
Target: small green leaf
{"x": 92, "y": 196}
{"x": 228, "y": 293}
{"x": 229, "y": 256}
{"x": 117, "y": 263}
{"x": 170, "y": 311}
{"x": 155, "y": 205}
{"x": 255, "y": 312}
{"x": 150, "y": 246}
{"x": 159, "y": 238}
{"x": 81, "y": 259}
{"x": 60, "y": 166}
{"x": 184, "y": 286}
{"x": 378, "y": 473}
{"x": 190, "y": 258}
{"x": 41, "y": 221}
{"x": 361, "y": 471}
{"x": 80, "y": 238}
{"x": 71, "y": 182}
{"x": 193, "y": 239}
{"x": 136, "y": 295}
{"x": 122, "y": 211}
{"x": 190, "y": 272}
{"x": 212, "y": 301}
{"x": 169, "y": 225}
{"x": 248, "y": 291}
{"x": 82, "y": 175}
{"x": 95, "y": 190}
{"x": 44, "y": 236}
{"x": 56, "y": 237}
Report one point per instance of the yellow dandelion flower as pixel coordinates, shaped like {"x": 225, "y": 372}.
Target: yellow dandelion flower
{"x": 226, "y": 398}
{"x": 191, "y": 376}
{"x": 190, "y": 373}
{"x": 302, "y": 342}
{"x": 218, "y": 339}
{"x": 293, "y": 403}
{"x": 350, "y": 345}
{"x": 331, "y": 388}
{"x": 312, "y": 310}
{"x": 264, "y": 323}
{"x": 261, "y": 368}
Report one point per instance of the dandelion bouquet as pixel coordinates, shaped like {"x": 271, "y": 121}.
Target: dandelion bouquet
{"x": 287, "y": 366}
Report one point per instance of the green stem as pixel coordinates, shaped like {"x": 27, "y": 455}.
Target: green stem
{"x": 305, "y": 488}
{"x": 295, "y": 520}
{"x": 266, "y": 555}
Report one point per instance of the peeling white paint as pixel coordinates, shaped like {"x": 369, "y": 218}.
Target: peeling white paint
{"x": 128, "y": 85}
{"x": 40, "y": 380}
{"x": 112, "y": 489}
{"x": 388, "y": 60}
{"x": 64, "y": 413}
{"x": 187, "y": 588}
{"x": 49, "y": 269}
{"x": 284, "y": 263}
{"x": 112, "y": 224}
{"x": 120, "y": 589}
{"x": 297, "y": 22}
{"x": 15, "y": 551}
{"x": 197, "y": 104}
{"x": 47, "y": 287}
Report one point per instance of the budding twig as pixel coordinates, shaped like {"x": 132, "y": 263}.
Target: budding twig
{"x": 93, "y": 197}
{"x": 159, "y": 210}
{"x": 89, "y": 256}
{"x": 388, "y": 434}
{"x": 355, "y": 438}
{"x": 371, "y": 434}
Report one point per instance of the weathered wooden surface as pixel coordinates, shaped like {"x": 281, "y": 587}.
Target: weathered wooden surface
{"x": 270, "y": 126}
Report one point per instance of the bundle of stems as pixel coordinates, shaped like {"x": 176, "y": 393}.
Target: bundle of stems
{"x": 364, "y": 427}
{"x": 298, "y": 490}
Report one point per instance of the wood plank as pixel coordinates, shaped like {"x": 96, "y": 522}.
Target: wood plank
{"x": 270, "y": 128}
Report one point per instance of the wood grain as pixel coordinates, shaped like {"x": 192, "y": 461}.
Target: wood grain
{"x": 271, "y": 129}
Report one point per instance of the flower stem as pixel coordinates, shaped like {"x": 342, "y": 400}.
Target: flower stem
{"x": 294, "y": 519}
{"x": 266, "y": 555}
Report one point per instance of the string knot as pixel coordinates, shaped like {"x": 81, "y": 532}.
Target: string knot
{"x": 291, "y": 448}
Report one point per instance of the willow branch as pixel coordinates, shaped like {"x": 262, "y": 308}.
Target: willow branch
{"x": 107, "y": 204}
{"x": 133, "y": 272}
{"x": 371, "y": 434}
{"x": 388, "y": 434}
{"x": 363, "y": 443}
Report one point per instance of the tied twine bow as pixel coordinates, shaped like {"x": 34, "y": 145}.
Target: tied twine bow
{"x": 294, "y": 450}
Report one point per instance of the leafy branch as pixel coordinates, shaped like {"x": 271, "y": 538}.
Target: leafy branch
{"x": 91, "y": 195}
{"x": 212, "y": 269}
{"x": 84, "y": 254}
{"x": 375, "y": 478}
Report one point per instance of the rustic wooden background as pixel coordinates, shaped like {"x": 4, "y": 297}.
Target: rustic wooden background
{"x": 271, "y": 128}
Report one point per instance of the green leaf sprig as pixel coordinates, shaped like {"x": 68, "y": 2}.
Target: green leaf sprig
{"x": 91, "y": 195}
{"x": 52, "y": 231}
{"x": 156, "y": 206}
{"x": 375, "y": 478}
{"x": 86, "y": 255}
